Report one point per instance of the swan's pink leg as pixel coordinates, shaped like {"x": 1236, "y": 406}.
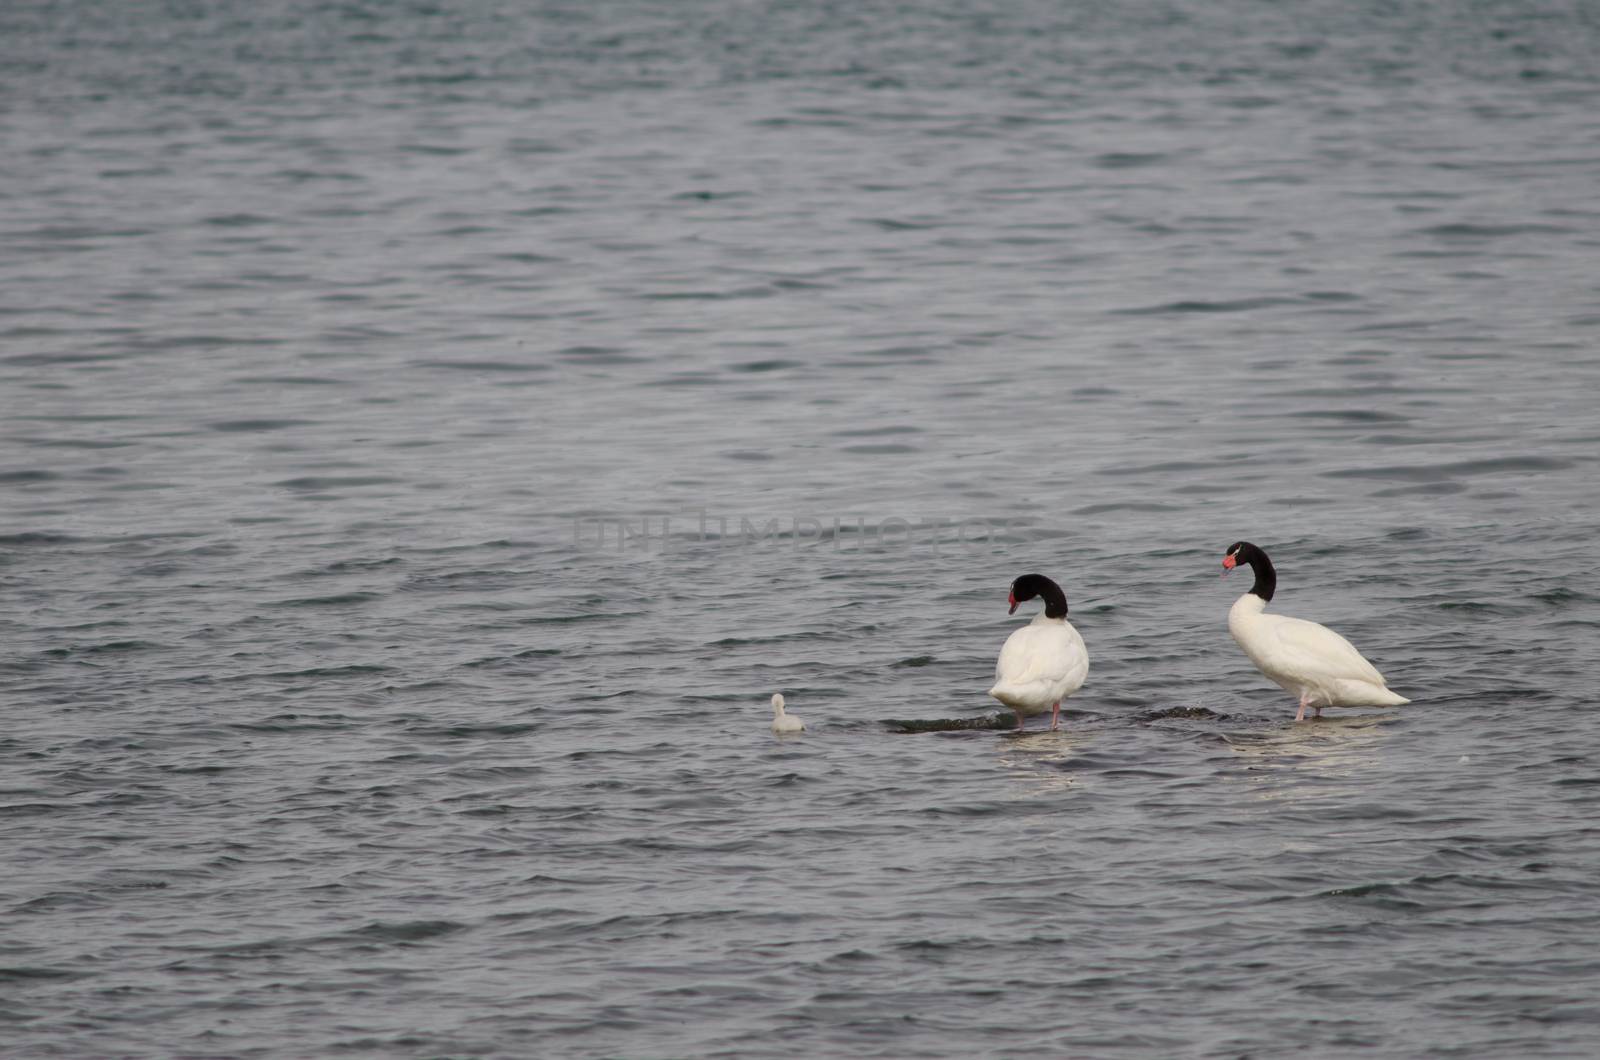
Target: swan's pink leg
{"x": 1055, "y": 716}
{"x": 1019, "y": 719}
{"x": 1303, "y": 704}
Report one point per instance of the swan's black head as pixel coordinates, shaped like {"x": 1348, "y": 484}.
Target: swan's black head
{"x": 1244, "y": 552}
{"x": 1030, "y": 585}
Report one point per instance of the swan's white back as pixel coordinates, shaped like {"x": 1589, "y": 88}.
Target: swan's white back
{"x": 782, "y": 722}
{"x": 1307, "y": 659}
{"x": 1040, "y": 665}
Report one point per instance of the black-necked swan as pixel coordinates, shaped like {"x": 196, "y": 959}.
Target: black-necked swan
{"x": 1045, "y": 661}
{"x": 1308, "y": 660}
{"x": 781, "y": 722}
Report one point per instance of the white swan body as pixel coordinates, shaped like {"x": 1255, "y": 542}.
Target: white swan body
{"x": 1041, "y": 664}
{"x": 1309, "y": 661}
{"x": 784, "y": 723}
{"x": 1045, "y": 661}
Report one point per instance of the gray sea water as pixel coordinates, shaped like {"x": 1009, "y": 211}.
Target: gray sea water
{"x": 431, "y": 431}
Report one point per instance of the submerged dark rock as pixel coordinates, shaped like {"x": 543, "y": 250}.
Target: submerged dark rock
{"x": 1181, "y": 712}
{"x": 915, "y": 725}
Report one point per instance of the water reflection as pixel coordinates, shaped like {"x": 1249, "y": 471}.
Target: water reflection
{"x": 1285, "y": 757}
{"x": 1038, "y": 761}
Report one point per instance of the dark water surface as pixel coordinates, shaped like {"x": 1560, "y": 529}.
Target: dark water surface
{"x": 431, "y": 432}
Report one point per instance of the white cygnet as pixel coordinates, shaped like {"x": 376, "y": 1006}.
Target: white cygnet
{"x": 782, "y": 722}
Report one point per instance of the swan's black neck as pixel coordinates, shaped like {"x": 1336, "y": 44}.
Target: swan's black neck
{"x": 1030, "y": 585}
{"x": 1266, "y": 577}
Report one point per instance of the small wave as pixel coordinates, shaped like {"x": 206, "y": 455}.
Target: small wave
{"x": 248, "y": 426}
{"x": 337, "y": 600}
{"x": 41, "y": 359}
{"x": 1129, "y": 159}
{"x": 349, "y": 670}
{"x": 878, "y": 432}
{"x": 1464, "y": 230}
{"x": 890, "y": 224}
{"x": 71, "y": 443}
{"x": 1561, "y": 596}
{"x": 1350, "y": 415}
{"x": 600, "y": 355}
{"x": 1386, "y": 895}
{"x": 1124, "y": 506}
{"x": 688, "y": 379}
{"x": 778, "y": 638}
{"x": 485, "y": 366}
{"x": 881, "y": 449}
{"x": 35, "y": 974}
{"x": 565, "y": 620}
{"x": 974, "y": 809}
{"x": 36, "y": 809}
{"x": 108, "y": 647}
{"x": 319, "y": 483}
{"x": 350, "y": 566}
{"x": 493, "y": 661}
{"x": 37, "y": 537}
{"x": 291, "y": 380}
{"x": 1442, "y": 472}
{"x": 1237, "y": 305}
{"x": 472, "y": 732}
{"x": 291, "y": 723}
{"x": 709, "y": 296}
{"x": 238, "y": 220}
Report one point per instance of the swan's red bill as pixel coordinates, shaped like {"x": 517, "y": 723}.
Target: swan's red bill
{"x": 1228, "y": 563}
{"x": 1011, "y": 598}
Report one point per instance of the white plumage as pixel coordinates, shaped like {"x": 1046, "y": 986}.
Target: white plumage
{"x": 1309, "y": 661}
{"x": 784, "y": 723}
{"x": 1045, "y": 661}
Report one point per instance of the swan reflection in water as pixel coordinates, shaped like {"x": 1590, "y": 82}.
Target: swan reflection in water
{"x": 1037, "y": 761}
{"x": 1290, "y": 761}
